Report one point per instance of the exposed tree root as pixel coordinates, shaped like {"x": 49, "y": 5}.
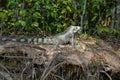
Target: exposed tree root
{"x": 41, "y": 62}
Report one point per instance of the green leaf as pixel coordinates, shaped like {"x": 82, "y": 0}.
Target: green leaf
{"x": 55, "y": 5}
{"x": 48, "y": 28}
{"x": 2, "y": 15}
{"x": 23, "y": 12}
{"x": 69, "y": 9}
{"x": 94, "y": 18}
{"x": 48, "y": 7}
{"x": 36, "y": 15}
{"x": 1, "y": 9}
{"x": 65, "y": 2}
{"x": 12, "y": 3}
{"x": 43, "y": 1}
{"x": 47, "y": 1}
{"x": 72, "y": 22}
{"x": 10, "y": 13}
{"x": 106, "y": 29}
{"x": 35, "y": 24}
{"x": 29, "y": 0}
{"x": 98, "y": 7}
{"x": 101, "y": 1}
{"x": 63, "y": 11}
{"x": 22, "y": 23}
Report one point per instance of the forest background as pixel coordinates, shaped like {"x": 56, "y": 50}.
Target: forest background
{"x": 99, "y": 18}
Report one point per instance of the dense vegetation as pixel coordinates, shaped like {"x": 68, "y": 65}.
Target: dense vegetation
{"x": 43, "y": 17}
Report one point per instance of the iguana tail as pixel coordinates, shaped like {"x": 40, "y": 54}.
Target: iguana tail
{"x": 28, "y": 40}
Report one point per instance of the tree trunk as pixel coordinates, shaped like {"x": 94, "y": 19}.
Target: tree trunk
{"x": 116, "y": 15}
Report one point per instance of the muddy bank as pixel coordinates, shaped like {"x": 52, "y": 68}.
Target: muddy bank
{"x": 22, "y": 61}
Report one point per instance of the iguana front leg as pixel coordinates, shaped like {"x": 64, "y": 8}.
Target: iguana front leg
{"x": 72, "y": 40}
{"x": 56, "y": 45}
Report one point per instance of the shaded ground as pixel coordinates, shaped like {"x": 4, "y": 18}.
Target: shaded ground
{"x": 89, "y": 60}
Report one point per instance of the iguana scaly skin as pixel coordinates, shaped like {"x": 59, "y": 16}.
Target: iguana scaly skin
{"x": 61, "y": 38}
{"x": 67, "y": 36}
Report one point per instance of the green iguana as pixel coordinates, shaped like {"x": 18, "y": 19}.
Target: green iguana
{"x": 61, "y": 38}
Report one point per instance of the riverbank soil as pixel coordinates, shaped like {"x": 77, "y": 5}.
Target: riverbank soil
{"x": 88, "y": 60}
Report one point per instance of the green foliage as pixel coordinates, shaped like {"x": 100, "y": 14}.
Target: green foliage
{"x": 50, "y": 16}
{"x": 99, "y": 18}
{"x": 53, "y": 16}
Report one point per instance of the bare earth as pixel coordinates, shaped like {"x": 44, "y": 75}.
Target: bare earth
{"x": 85, "y": 53}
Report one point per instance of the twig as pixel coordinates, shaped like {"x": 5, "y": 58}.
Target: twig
{"x": 58, "y": 76}
{"x": 47, "y": 71}
{"x": 24, "y": 70}
{"x": 4, "y": 68}
{"x": 113, "y": 19}
{"x": 45, "y": 75}
{"x": 83, "y": 12}
{"x": 106, "y": 75}
{"x": 17, "y": 57}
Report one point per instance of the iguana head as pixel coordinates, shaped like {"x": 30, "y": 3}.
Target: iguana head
{"x": 75, "y": 29}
